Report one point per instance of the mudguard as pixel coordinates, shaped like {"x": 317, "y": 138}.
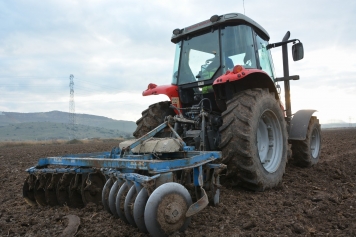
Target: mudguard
{"x": 169, "y": 90}
{"x": 299, "y": 124}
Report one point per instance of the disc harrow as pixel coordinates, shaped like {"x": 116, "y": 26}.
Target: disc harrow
{"x": 154, "y": 184}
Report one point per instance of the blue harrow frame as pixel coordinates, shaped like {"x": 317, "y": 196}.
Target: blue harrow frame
{"x": 126, "y": 174}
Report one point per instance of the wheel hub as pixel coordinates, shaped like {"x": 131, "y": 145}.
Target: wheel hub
{"x": 173, "y": 212}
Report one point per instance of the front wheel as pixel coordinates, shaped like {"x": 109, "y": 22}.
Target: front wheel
{"x": 306, "y": 153}
{"x": 254, "y": 139}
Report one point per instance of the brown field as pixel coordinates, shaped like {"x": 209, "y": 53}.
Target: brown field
{"x": 317, "y": 201}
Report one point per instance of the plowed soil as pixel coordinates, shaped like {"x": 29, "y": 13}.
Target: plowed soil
{"x": 316, "y": 201}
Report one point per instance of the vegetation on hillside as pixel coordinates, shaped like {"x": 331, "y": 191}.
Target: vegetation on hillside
{"x": 41, "y": 131}
{"x": 7, "y": 118}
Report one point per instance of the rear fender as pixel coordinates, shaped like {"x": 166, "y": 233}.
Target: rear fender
{"x": 231, "y": 83}
{"x": 238, "y": 73}
{"x": 299, "y": 124}
{"x": 169, "y": 90}
{"x": 246, "y": 79}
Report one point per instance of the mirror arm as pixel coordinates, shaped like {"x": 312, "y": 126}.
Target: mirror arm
{"x": 275, "y": 45}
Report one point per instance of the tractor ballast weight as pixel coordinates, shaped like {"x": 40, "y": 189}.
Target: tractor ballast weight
{"x": 224, "y": 113}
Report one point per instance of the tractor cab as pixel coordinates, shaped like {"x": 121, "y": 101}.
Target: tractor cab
{"x": 209, "y": 49}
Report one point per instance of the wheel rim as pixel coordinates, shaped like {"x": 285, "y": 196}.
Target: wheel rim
{"x": 269, "y": 141}
{"x": 315, "y": 143}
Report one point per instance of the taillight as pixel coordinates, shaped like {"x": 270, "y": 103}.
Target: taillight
{"x": 237, "y": 69}
{"x": 151, "y": 86}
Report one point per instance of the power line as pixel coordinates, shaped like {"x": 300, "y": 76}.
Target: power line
{"x": 71, "y": 103}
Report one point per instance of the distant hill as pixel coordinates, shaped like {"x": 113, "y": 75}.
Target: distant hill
{"x": 7, "y": 118}
{"x": 53, "y": 131}
{"x": 55, "y": 125}
{"x": 338, "y": 125}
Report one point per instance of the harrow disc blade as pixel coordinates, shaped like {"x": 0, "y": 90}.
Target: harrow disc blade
{"x": 139, "y": 209}
{"x": 40, "y": 186}
{"x": 166, "y": 209}
{"x": 129, "y": 205}
{"x": 28, "y": 191}
{"x": 75, "y": 196}
{"x": 62, "y": 189}
{"x": 50, "y": 190}
{"x": 120, "y": 201}
{"x": 92, "y": 188}
{"x": 112, "y": 196}
{"x": 105, "y": 194}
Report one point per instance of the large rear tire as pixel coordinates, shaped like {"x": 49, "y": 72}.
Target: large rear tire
{"x": 306, "y": 153}
{"x": 254, "y": 139}
{"x": 152, "y": 117}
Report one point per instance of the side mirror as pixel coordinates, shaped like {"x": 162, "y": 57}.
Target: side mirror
{"x": 298, "y": 51}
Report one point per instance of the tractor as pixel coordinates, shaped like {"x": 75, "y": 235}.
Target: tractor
{"x": 225, "y": 64}
{"x": 224, "y": 117}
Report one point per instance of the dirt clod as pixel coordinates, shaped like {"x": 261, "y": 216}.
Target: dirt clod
{"x": 249, "y": 225}
{"x": 72, "y": 228}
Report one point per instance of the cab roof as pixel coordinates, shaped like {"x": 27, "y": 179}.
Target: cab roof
{"x": 216, "y": 20}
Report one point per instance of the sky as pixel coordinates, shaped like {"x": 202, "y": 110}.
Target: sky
{"x": 115, "y": 49}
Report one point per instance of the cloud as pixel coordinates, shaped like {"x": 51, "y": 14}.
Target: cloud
{"x": 115, "y": 48}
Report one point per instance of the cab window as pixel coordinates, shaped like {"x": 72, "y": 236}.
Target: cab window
{"x": 237, "y": 47}
{"x": 264, "y": 56}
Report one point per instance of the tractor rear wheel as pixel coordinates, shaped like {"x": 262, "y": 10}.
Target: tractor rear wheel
{"x": 254, "y": 139}
{"x": 152, "y": 117}
{"x": 306, "y": 153}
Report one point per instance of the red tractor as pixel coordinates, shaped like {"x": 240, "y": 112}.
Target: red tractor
{"x": 224, "y": 66}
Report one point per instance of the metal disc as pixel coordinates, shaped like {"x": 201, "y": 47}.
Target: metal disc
{"x": 120, "y": 201}
{"x": 166, "y": 209}
{"x": 139, "y": 209}
{"x": 62, "y": 189}
{"x": 28, "y": 190}
{"x": 105, "y": 194}
{"x": 50, "y": 190}
{"x": 129, "y": 205}
{"x": 112, "y": 196}
{"x": 40, "y": 186}
{"x": 92, "y": 188}
{"x": 75, "y": 196}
